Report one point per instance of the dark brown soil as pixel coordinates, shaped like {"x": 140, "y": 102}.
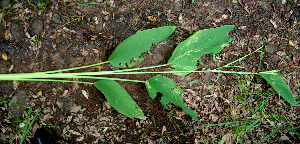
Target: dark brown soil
{"x": 66, "y": 34}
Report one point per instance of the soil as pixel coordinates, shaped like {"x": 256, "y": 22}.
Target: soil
{"x": 65, "y": 34}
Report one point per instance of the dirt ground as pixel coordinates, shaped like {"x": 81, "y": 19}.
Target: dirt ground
{"x": 48, "y": 35}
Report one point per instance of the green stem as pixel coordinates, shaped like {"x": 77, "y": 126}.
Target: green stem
{"x": 69, "y": 69}
{"x": 99, "y": 78}
{"x": 55, "y": 74}
{"x": 117, "y": 71}
{"x": 51, "y": 77}
{"x": 55, "y": 80}
{"x": 228, "y": 65}
{"x": 216, "y": 71}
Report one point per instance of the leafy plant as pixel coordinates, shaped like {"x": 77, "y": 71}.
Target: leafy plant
{"x": 184, "y": 61}
{"x": 43, "y": 5}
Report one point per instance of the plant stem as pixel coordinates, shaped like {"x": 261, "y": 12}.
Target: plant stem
{"x": 216, "y": 71}
{"x": 228, "y": 65}
{"x": 69, "y": 69}
{"x": 51, "y": 76}
{"x": 55, "y": 76}
{"x": 117, "y": 71}
{"x": 55, "y": 80}
{"x": 58, "y": 80}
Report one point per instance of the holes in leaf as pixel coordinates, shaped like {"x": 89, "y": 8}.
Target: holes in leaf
{"x": 158, "y": 96}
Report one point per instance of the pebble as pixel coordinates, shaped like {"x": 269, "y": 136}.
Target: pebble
{"x": 56, "y": 18}
{"x": 16, "y": 31}
{"x": 37, "y": 27}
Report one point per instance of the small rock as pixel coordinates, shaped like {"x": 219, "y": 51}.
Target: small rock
{"x": 47, "y": 110}
{"x": 37, "y": 27}
{"x": 66, "y": 103}
{"x": 17, "y": 31}
{"x": 75, "y": 108}
{"x": 16, "y": 106}
{"x": 281, "y": 53}
{"x": 207, "y": 79}
{"x": 270, "y": 49}
{"x": 56, "y": 18}
{"x": 59, "y": 104}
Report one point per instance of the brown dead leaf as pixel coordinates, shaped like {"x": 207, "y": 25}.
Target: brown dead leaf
{"x": 214, "y": 117}
{"x": 274, "y": 23}
{"x": 96, "y": 20}
{"x": 66, "y": 35}
{"x": 84, "y": 52}
{"x": 281, "y": 53}
{"x": 27, "y": 35}
{"x": 224, "y": 16}
{"x": 120, "y": 138}
{"x": 69, "y": 119}
{"x": 74, "y": 132}
{"x": 15, "y": 84}
{"x": 47, "y": 117}
{"x": 65, "y": 93}
{"x": 96, "y": 51}
{"x": 85, "y": 94}
{"x": 123, "y": 9}
{"x": 105, "y": 12}
{"x": 11, "y": 68}
{"x": 80, "y": 139}
{"x": 107, "y": 105}
{"x": 106, "y": 18}
{"x": 94, "y": 37}
{"x": 54, "y": 36}
{"x": 163, "y": 130}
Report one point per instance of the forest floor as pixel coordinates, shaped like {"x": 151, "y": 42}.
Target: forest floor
{"x": 47, "y": 35}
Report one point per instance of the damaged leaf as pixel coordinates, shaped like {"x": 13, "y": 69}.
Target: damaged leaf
{"x": 137, "y": 44}
{"x": 171, "y": 93}
{"x": 208, "y": 41}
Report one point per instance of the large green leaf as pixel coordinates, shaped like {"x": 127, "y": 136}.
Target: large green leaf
{"x": 171, "y": 92}
{"x": 208, "y": 41}
{"x": 280, "y": 87}
{"x": 119, "y": 99}
{"x": 135, "y": 45}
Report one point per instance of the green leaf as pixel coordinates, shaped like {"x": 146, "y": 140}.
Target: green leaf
{"x": 119, "y": 99}
{"x": 208, "y": 41}
{"x": 171, "y": 92}
{"x": 137, "y": 44}
{"x": 279, "y": 86}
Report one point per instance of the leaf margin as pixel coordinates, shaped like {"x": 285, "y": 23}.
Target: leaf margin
{"x": 174, "y": 89}
{"x": 137, "y": 44}
{"x": 110, "y": 89}
{"x": 284, "y": 91}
